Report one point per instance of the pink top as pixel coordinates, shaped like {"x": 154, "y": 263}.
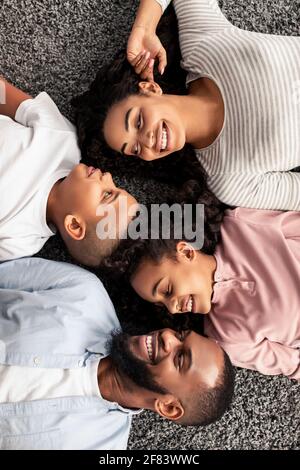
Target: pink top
{"x": 255, "y": 312}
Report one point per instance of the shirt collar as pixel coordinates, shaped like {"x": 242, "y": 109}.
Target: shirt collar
{"x": 223, "y": 270}
{"x": 222, "y": 274}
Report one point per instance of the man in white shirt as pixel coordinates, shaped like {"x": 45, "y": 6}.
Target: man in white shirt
{"x": 59, "y": 387}
{"x": 43, "y": 186}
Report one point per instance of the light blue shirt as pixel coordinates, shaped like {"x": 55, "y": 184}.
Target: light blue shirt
{"x": 56, "y": 315}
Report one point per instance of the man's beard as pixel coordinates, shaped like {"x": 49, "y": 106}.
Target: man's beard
{"x": 125, "y": 362}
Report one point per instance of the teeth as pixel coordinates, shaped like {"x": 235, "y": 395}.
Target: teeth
{"x": 164, "y": 139}
{"x": 190, "y": 304}
{"x": 149, "y": 347}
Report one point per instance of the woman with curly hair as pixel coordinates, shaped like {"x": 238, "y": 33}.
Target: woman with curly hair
{"x": 117, "y": 81}
{"x": 241, "y": 113}
{"x": 244, "y": 281}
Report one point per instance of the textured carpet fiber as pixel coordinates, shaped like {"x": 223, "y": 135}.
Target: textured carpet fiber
{"x": 57, "y": 46}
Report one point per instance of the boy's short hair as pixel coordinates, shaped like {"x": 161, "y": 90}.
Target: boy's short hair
{"x": 207, "y": 405}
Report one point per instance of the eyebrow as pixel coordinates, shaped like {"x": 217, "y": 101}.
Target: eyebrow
{"x": 154, "y": 290}
{"x": 189, "y": 354}
{"x": 190, "y": 359}
{"x": 127, "y": 115}
{"x": 127, "y": 119}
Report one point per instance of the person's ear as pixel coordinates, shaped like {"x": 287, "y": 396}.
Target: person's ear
{"x": 169, "y": 407}
{"x": 75, "y": 227}
{"x": 186, "y": 251}
{"x": 150, "y": 88}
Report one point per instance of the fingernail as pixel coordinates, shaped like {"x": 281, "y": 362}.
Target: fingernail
{"x": 151, "y": 63}
{"x": 147, "y": 55}
{"x": 162, "y": 70}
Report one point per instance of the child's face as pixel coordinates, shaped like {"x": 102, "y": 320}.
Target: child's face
{"x": 87, "y": 190}
{"x": 146, "y": 126}
{"x": 181, "y": 285}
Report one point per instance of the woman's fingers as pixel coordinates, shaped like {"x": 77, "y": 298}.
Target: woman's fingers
{"x": 142, "y": 63}
{"x": 135, "y": 60}
{"x": 147, "y": 73}
{"x": 162, "y": 59}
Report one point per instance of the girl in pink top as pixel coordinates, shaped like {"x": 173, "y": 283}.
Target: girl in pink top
{"x": 247, "y": 285}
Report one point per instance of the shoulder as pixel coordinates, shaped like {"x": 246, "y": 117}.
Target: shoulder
{"x": 77, "y": 276}
{"x": 42, "y": 111}
{"x": 54, "y": 274}
{"x": 262, "y": 217}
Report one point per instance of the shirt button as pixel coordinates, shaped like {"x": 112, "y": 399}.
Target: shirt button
{"x": 36, "y": 360}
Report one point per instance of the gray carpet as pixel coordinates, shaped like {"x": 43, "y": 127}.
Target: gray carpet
{"x": 57, "y": 46}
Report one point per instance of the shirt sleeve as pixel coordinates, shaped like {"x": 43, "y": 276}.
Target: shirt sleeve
{"x": 267, "y": 357}
{"x": 37, "y": 274}
{"x": 265, "y": 217}
{"x": 164, "y": 4}
{"x": 10, "y": 249}
{"x": 41, "y": 111}
{"x": 272, "y": 191}
{"x": 197, "y": 18}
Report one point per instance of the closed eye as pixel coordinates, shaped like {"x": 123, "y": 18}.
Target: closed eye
{"x": 179, "y": 359}
{"x": 139, "y": 121}
{"x": 136, "y": 150}
{"x": 168, "y": 291}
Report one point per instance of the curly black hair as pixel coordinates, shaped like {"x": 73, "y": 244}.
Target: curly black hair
{"x": 130, "y": 253}
{"x": 116, "y": 81}
{"x": 123, "y": 263}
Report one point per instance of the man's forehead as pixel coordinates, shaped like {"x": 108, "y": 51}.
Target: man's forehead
{"x": 209, "y": 359}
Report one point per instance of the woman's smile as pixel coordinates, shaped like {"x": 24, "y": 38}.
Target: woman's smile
{"x": 149, "y": 127}
{"x": 165, "y": 138}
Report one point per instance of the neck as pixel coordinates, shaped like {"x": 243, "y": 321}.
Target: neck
{"x": 210, "y": 264}
{"x": 53, "y": 211}
{"x": 114, "y": 387}
{"x": 203, "y": 113}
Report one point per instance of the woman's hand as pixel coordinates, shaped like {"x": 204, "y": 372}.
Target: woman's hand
{"x": 143, "y": 49}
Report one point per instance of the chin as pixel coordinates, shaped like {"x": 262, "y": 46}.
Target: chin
{"x": 206, "y": 309}
{"x": 77, "y": 170}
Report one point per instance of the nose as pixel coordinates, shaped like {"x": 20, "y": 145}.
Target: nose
{"x": 107, "y": 177}
{"x": 147, "y": 139}
{"x": 169, "y": 341}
